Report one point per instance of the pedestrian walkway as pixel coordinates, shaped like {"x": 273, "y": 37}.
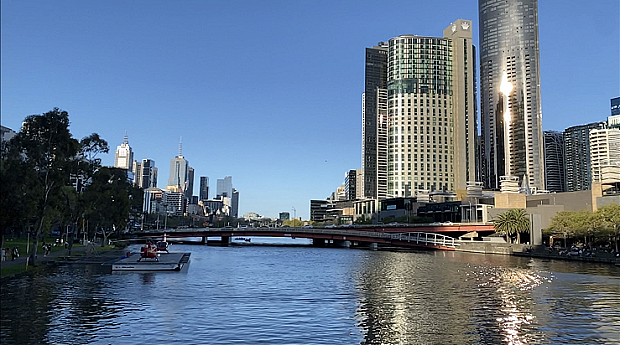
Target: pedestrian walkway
{"x": 52, "y": 256}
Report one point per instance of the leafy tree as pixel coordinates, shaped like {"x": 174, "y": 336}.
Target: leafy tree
{"x": 107, "y": 200}
{"x": 46, "y": 148}
{"x": 610, "y": 216}
{"x": 511, "y": 222}
{"x": 294, "y": 223}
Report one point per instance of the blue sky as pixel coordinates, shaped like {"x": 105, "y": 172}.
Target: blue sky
{"x": 267, "y": 92}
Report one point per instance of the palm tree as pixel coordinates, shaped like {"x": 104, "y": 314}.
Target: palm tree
{"x": 514, "y": 221}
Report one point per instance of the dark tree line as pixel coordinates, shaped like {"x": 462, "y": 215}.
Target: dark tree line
{"x": 49, "y": 178}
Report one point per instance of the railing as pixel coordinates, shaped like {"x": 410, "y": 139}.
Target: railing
{"x": 417, "y": 237}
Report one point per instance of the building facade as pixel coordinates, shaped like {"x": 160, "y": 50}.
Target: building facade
{"x": 431, "y": 112}
{"x": 204, "y": 188}
{"x": 123, "y": 158}
{"x": 604, "y": 153}
{"x": 350, "y": 184}
{"x": 578, "y": 171}
{"x": 375, "y": 78}
{"x": 224, "y": 187}
{"x": 554, "y": 161}
{"x": 145, "y": 174}
{"x": 179, "y": 172}
{"x": 511, "y": 112}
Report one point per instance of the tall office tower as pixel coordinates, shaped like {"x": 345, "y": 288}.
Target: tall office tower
{"x": 431, "y": 113}
{"x": 375, "y": 78}
{"x": 510, "y": 100}
{"x": 604, "y": 153}
{"x": 179, "y": 171}
{"x": 234, "y": 201}
{"x": 204, "y": 188}
{"x": 124, "y": 155}
{"x": 350, "y": 183}
{"x": 577, "y": 156}
{"x": 554, "y": 161}
{"x": 224, "y": 187}
{"x": 145, "y": 174}
{"x": 189, "y": 190}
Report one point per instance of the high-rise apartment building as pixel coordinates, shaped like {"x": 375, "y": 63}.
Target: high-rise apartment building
{"x": 123, "y": 157}
{"x": 578, "y": 170}
{"x": 375, "y": 79}
{"x": 431, "y": 114}
{"x": 511, "y": 112}
{"x": 604, "y": 153}
{"x": 204, "y": 188}
{"x": 234, "y": 204}
{"x": 145, "y": 174}
{"x": 554, "y": 161}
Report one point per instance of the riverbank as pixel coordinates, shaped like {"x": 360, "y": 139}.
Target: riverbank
{"x": 12, "y": 268}
{"x": 526, "y": 250}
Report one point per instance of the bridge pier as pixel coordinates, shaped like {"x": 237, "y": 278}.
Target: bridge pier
{"x": 318, "y": 242}
{"x": 342, "y": 243}
{"x": 204, "y": 240}
{"x": 372, "y": 246}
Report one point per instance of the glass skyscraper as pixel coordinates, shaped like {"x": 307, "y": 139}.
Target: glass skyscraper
{"x": 511, "y": 113}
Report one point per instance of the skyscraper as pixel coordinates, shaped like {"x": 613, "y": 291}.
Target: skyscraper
{"x": 375, "y": 78}
{"x": 224, "y": 187}
{"x": 123, "y": 157}
{"x": 511, "y": 115}
{"x": 577, "y": 156}
{"x": 189, "y": 190}
{"x": 350, "y": 184}
{"x": 431, "y": 120}
{"x": 554, "y": 161}
{"x": 204, "y": 188}
{"x": 615, "y": 106}
{"x": 179, "y": 172}
{"x": 145, "y": 174}
{"x": 234, "y": 212}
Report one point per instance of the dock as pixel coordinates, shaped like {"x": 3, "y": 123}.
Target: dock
{"x": 167, "y": 262}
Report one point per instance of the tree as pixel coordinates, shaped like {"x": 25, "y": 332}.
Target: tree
{"x": 45, "y": 147}
{"x": 511, "y": 222}
{"x": 107, "y": 200}
{"x": 610, "y": 216}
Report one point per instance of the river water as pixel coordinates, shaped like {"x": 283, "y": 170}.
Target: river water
{"x": 308, "y": 295}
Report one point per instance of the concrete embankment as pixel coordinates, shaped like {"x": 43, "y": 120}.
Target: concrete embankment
{"x": 491, "y": 247}
{"x": 532, "y": 251}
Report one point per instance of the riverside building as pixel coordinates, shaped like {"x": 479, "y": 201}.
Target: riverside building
{"x": 431, "y": 114}
{"x": 511, "y": 113}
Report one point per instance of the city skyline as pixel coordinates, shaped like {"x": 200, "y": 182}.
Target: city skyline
{"x": 260, "y": 95}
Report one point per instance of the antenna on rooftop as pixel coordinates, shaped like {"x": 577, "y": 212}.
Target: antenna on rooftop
{"x": 180, "y": 147}
{"x": 126, "y": 140}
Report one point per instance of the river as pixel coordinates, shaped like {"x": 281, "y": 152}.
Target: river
{"x": 309, "y": 295}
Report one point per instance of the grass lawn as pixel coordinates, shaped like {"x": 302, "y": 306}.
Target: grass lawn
{"x": 22, "y": 245}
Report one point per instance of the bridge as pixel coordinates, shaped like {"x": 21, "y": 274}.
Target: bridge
{"x": 395, "y": 236}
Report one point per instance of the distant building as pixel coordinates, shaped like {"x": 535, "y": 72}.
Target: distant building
{"x": 189, "y": 190}
{"x": 510, "y": 88}
{"x": 234, "y": 212}
{"x": 179, "y": 172}
{"x": 284, "y": 216}
{"x": 318, "y": 210}
{"x": 375, "y": 79}
{"x": 145, "y": 174}
{"x": 6, "y": 134}
{"x": 604, "y": 153}
{"x": 359, "y": 184}
{"x": 123, "y": 157}
{"x": 204, "y": 188}
{"x": 578, "y": 170}
{"x": 350, "y": 184}
{"x": 554, "y": 161}
{"x": 224, "y": 186}
{"x": 615, "y": 106}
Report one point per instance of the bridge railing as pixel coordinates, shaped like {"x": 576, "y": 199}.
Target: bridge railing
{"x": 417, "y": 237}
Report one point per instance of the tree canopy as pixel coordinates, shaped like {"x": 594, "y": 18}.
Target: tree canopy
{"x": 512, "y": 222}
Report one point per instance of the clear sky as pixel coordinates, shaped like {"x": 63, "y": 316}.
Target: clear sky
{"x": 268, "y": 92}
